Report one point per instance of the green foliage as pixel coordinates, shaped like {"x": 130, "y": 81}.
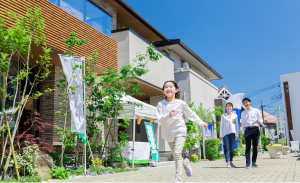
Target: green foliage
{"x": 191, "y": 129}
{"x": 97, "y": 169}
{"x": 240, "y": 148}
{"x": 56, "y": 158}
{"x": 60, "y": 173}
{"x": 68, "y": 138}
{"x": 16, "y": 43}
{"x": 24, "y": 179}
{"x": 72, "y": 42}
{"x": 264, "y": 141}
{"x": 28, "y": 156}
{"x": 119, "y": 170}
{"x": 211, "y": 148}
{"x": 78, "y": 171}
{"x": 194, "y": 158}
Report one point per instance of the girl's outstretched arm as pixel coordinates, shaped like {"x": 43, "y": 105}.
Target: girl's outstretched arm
{"x": 191, "y": 115}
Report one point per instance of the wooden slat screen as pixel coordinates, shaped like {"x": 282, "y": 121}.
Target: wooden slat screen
{"x": 59, "y": 24}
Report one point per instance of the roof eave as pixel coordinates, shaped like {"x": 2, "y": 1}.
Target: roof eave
{"x": 142, "y": 19}
{"x": 190, "y": 51}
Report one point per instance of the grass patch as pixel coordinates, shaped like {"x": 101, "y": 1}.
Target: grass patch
{"x": 24, "y": 179}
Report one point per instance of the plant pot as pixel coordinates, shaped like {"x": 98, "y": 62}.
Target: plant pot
{"x": 285, "y": 150}
{"x": 274, "y": 151}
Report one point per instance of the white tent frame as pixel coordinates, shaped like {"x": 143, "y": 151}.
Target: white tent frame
{"x": 133, "y": 110}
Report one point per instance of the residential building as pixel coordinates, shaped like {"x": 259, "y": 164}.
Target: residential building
{"x": 193, "y": 76}
{"x": 61, "y": 18}
{"x": 118, "y": 32}
{"x": 290, "y": 87}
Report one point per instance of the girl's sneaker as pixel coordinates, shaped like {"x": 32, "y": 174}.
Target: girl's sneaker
{"x": 232, "y": 165}
{"x": 188, "y": 169}
{"x": 228, "y": 166}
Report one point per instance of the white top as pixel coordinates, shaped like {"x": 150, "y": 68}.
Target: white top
{"x": 229, "y": 125}
{"x": 249, "y": 117}
{"x": 175, "y": 126}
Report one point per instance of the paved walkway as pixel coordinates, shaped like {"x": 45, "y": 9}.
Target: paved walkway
{"x": 285, "y": 169}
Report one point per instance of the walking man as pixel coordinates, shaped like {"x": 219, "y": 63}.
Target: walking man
{"x": 250, "y": 120}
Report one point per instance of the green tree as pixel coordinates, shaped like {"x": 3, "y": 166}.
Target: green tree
{"x": 15, "y": 44}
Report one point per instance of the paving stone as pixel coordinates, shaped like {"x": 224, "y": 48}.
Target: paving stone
{"x": 285, "y": 169}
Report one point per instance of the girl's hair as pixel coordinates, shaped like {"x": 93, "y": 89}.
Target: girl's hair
{"x": 177, "y": 95}
{"x": 229, "y": 103}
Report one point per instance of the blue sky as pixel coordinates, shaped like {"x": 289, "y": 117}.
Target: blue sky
{"x": 249, "y": 42}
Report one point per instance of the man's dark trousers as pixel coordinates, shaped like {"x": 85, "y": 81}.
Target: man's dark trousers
{"x": 251, "y": 134}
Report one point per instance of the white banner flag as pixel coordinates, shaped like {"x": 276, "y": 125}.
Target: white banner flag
{"x": 72, "y": 70}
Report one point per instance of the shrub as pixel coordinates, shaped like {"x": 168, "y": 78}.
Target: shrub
{"x": 194, "y": 158}
{"x": 78, "y": 171}
{"x": 60, "y": 173}
{"x": 55, "y": 155}
{"x": 212, "y": 148}
{"x": 27, "y": 156}
{"x": 264, "y": 141}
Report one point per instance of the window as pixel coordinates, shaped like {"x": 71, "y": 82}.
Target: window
{"x": 87, "y": 12}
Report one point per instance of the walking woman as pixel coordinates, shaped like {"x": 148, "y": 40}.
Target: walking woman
{"x": 229, "y": 132}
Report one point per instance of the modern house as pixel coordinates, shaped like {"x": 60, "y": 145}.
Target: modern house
{"x": 290, "y": 87}
{"x": 62, "y": 17}
{"x": 118, "y": 32}
{"x": 192, "y": 74}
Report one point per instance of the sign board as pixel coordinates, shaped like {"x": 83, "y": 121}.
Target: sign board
{"x": 280, "y": 126}
{"x": 151, "y": 139}
{"x": 208, "y": 133}
{"x": 295, "y": 145}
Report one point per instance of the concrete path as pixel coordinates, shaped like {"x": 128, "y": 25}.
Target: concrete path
{"x": 285, "y": 169}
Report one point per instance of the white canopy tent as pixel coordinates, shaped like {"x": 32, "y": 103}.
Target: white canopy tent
{"x": 131, "y": 111}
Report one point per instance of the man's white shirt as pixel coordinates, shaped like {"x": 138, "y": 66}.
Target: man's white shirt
{"x": 249, "y": 117}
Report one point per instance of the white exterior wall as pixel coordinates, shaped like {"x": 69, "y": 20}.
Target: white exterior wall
{"x": 199, "y": 72}
{"x": 202, "y": 91}
{"x": 176, "y": 58}
{"x": 294, "y": 88}
{"x": 160, "y": 71}
{"x": 123, "y": 47}
{"x": 129, "y": 44}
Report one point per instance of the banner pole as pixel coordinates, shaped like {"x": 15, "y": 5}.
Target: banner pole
{"x": 84, "y": 117}
{"x": 133, "y": 138}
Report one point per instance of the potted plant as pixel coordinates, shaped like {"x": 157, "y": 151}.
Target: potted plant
{"x": 274, "y": 150}
{"x": 285, "y": 150}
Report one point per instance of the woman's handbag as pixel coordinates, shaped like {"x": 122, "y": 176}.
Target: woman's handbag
{"x": 221, "y": 149}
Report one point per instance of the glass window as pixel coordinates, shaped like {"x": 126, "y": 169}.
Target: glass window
{"x": 98, "y": 19}
{"x": 87, "y": 12}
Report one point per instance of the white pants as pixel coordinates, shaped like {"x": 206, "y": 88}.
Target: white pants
{"x": 176, "y": 149}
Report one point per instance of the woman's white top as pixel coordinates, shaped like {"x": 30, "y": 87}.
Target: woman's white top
{"x": 175, "y": 126}
{"x": 229, "y": 125}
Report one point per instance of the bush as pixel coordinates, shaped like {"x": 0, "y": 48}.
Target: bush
{"x": 60, "y": 173}
{"x": 27, "y": 156}
{"x": 264, "y": 141}
{"x": 55, "y": 155}
{"x": 194, "y": 158}
{"x": 78, "y": 171}
{"x": 212, "y": 148}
